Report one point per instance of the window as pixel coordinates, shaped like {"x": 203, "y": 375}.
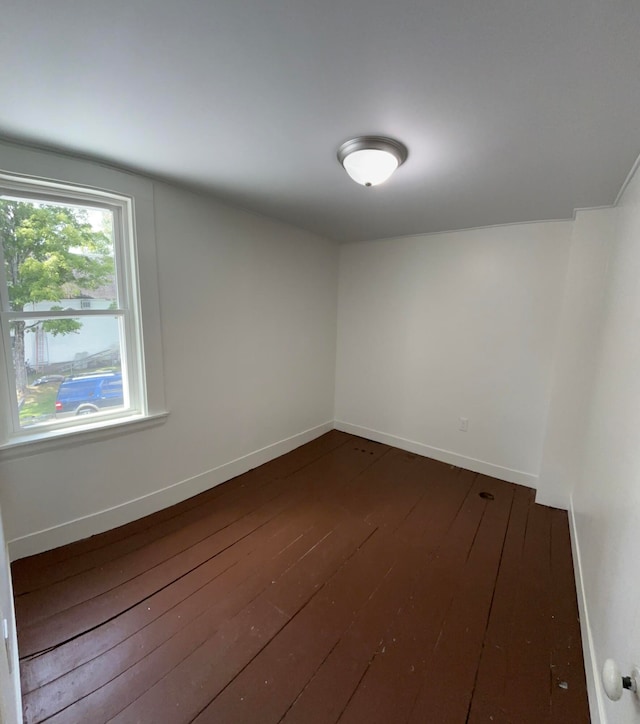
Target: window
{"x": 69, "y": 317}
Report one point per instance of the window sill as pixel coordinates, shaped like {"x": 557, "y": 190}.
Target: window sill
{"x": 91, "y": 432}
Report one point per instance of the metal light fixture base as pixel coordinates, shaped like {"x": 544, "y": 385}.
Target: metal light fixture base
{"x": 377, "y": 143}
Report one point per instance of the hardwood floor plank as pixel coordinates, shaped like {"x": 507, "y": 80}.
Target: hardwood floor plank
{"x": 39, "y": 669}
{"x": 567, "y": 664}
{"x": 393, "y": 678}
{"x": 527, "y": 691}
{"x": 449, "y": 678}
{"x": 248, "y": 574}
{"x": 262, "y": 691}
{"x": 46, "y": 631}
{"x": 290, "y": 660}
{"x": 492, "y": 682}
{"x": 345, "y": 581}
{"x": 246, "y": 553}
{"x": 89, "y": 614}
{"x": 173, "y": 535}
{"x": 44, "y": 568}
{"x": 427, "y": 524}
{"x": 327, "y": 693}
{"x": 186, "y": 689}
{"x": 46, "y": 602}
{"x": 344, "y": 467}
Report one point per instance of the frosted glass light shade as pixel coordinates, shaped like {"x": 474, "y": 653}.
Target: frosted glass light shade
{"x": 370, "y": 166}
{"x": 370, "y": 160}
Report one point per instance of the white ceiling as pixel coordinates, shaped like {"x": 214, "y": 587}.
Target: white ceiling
{"x": 512, "y": 110}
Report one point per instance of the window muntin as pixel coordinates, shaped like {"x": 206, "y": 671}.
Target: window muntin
{"x": 73, "y": 246}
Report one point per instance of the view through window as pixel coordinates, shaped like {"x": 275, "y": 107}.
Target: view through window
{"x": 68, "y": 313}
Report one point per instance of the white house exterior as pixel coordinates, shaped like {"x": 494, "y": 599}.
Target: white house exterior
{"x": 98, "y": 337}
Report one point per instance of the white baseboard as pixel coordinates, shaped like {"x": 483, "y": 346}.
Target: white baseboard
{"x": 103, "y": 520}
{"x": 594, "y": 688}
{"x": 445, "y": 456}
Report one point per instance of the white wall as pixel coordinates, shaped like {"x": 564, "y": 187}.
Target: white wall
{"x": 576, "y": 354}
{"x": 463, "y": 324}
{"x": 606, "y": 496}
{"x": 248, "y": 309}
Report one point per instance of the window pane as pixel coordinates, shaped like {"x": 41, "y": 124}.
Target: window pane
{"x": 65, "y": 368}
{"x": 57, "y": 255}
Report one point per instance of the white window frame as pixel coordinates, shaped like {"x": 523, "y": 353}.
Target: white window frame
{"x": 128, "y": 311}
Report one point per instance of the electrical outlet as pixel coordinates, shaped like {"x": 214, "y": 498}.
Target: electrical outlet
{"x": 464, "y": 424}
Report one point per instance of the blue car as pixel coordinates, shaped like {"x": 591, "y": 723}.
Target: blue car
{"x": 88, "y": 394}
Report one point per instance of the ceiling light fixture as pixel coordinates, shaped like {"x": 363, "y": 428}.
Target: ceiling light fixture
{"x": 370, "y": 160}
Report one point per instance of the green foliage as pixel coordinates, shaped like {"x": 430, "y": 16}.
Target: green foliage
{"x": 51, "y": 253}
{"x": 61, "y": 326}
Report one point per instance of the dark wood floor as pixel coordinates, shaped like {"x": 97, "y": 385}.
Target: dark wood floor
{"x": 346, "y": 581}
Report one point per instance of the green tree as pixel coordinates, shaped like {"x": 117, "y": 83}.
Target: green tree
{"x": 50, "y": 253}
